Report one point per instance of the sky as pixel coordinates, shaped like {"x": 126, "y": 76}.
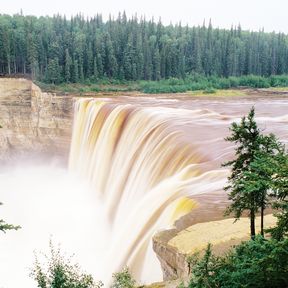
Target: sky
{"x": 251, "y": 14}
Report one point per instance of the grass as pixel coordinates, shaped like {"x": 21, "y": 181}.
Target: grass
{"x": 201, "y": 84}
{"x": 220, "y": 93}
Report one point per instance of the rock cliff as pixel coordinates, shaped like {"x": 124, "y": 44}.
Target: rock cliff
{"x": 173, "y": 247}
{"x": 32, "y": 120}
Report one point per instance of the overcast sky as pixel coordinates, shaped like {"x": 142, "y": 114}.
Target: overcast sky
{"x": 252, "y": 14}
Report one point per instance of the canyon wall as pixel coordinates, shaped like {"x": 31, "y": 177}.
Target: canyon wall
{"x": 33, "y": 121}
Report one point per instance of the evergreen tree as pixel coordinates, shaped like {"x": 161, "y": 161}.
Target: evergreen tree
{"x": 53, "y": 72}
{"x": 68, "y": 64}
{"x": 258, "y": 178}
{"x": 257, "y": 171}
{"x": 246, "y": 136}
{"x": 134, "y": 49}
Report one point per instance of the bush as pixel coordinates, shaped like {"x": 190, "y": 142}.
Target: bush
{"x": 259, "y": 263}
{"x": 59, "y": 272}
{"x": 193, "y": 82}
{"x": 254, "y": 81}
{"x": 279, "y": 81}
{"x": 123, "y": 279}
{"x": 95, "y": 89}
{"x": 209, "y": 90}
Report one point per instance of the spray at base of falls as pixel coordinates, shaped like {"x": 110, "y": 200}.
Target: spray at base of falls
{"x": 143, "y": 170}
{"x": 47, "y": 203}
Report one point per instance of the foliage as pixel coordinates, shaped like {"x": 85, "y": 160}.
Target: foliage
{"x": 251, "y": 181}
{"x": 57, "y": 49}
{"x": 246, "y": 136}
{"x": 181, "y": 285}
{"x": 123, "y": 279}
{"x": 172, "y": 85}
{"x": 202, "y": 269}
{"x": 209, "y": 90}
{"x": 59, "y": 272}
{"x": 280, "y": 181}
{"x": 260, "y": 263}
{"x": 281, "y": 229}
{"x": 5, "y": 227}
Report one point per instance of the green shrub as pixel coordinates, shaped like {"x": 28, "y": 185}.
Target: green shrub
{"x": 259, "y": 263}
{"x": 279, "y": 81}
{"x": 95, "y": 89}
{"x": 123, "y": 279}
{"x": 193, "y": 82}
{"x": 209, "y": 90}
{"x": 59, "y": 272}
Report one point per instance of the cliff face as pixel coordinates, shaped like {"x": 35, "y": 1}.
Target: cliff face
{"x": 172, "y": 261}
{"x": 173, "y": 247}
{"x": 32, "y": 120}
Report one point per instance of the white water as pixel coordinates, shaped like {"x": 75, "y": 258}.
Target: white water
{"x": 141, "y": 166}
{"x": 49, "y": 204}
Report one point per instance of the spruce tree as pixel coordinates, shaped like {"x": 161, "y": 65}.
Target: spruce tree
{"x": 68, "y": 63}
{"x": 257, "y": 172}
{"x": 258, "y": 179}
{"x": 246, "y": 137}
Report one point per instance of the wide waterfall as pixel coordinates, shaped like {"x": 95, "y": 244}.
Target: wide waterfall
{"x": 144, "y": 173}
{"x": 137, "y": 164}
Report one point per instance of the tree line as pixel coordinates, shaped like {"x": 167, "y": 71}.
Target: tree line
{"x": 57, "y": 50}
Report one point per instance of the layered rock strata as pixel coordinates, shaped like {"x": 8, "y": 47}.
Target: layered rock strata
{"x": 32, "y": 120}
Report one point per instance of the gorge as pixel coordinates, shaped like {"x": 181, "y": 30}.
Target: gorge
{"x": 137, "y": 164}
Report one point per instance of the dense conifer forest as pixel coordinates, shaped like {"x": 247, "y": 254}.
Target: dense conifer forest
{"x": 57, "y": 50}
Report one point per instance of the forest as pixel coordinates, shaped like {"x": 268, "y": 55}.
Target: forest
{"x": 59, "y": 50}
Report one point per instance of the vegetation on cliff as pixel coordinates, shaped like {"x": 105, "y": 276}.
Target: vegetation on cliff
{"x": 258, "y": 263}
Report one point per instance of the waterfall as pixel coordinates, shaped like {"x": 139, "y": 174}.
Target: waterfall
{"x": 144, "y": 172}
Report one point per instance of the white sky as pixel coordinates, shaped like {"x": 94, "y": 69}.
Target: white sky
{"x": 252, "y": 14}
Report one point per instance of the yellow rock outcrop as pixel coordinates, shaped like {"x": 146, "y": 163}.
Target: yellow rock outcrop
{"x": 173, "y": 247}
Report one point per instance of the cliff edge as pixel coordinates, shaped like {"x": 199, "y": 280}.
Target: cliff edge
{"x": 173, "y": 247}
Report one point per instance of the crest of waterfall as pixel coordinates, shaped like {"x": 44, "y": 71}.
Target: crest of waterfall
{"x": 144, "y": 172}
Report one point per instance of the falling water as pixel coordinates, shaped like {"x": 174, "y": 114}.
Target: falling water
{"x": 143, "y": 171}
{"x": 134, "y": 169}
